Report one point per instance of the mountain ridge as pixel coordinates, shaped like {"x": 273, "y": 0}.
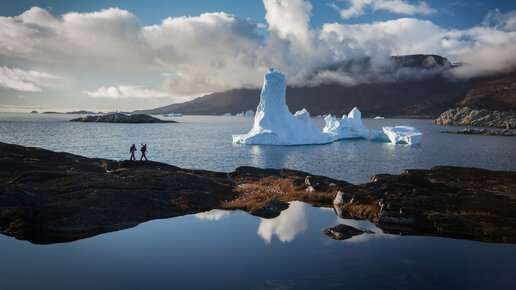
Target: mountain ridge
{"x": 422, "y": 87}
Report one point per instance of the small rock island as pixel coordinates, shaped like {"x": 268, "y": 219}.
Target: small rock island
{"x": 122, "y": 118}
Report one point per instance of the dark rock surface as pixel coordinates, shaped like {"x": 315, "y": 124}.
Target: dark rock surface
{"x": 48, "y": 197}
{"x": 121, "y": 118}
{"x": 466, "y": 116}
{"x": 344, "y": 232}
{"x": 271, "y": 209}
{"x": 482, "y": 132}
{"x": 448, "y": 201}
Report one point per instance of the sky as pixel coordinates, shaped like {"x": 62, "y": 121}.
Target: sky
{"x": 126, "y": 55}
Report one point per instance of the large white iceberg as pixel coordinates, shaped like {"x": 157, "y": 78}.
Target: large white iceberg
{"x": 397, "y": 135}
{"x": 273, "y": 122}
{"x": 348, "y": 127}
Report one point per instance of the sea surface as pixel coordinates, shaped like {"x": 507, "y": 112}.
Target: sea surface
{"x": 234, "y": 250}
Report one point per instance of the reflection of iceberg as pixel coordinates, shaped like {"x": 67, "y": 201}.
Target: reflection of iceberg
{"x": 348, "y": 127}
{"x": 398, "y": 135}
{"x": 274, "y": 124}
{"x": 287, "y": 226}
{"x": 213, "y": 215}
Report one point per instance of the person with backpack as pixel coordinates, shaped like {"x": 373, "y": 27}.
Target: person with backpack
{"x": 143, "y": 150}
{"x": 132, "y": 150}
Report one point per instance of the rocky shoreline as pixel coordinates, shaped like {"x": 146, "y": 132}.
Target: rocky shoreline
{"x": 49, "y": 197}
{"x": 465, "y": 116}
{"x": 121, "y": 118}
{"x": 481, "y": 132}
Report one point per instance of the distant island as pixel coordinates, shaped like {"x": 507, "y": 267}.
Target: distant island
{"x": 121, "y": 118}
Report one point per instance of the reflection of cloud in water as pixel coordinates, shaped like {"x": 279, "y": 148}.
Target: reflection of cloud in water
{"x": 213, "y": 215}
{"x": 326, "y": 208}
{"x": 287, "y": 226}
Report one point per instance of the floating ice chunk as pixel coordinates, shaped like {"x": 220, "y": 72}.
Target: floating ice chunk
{"x": 227, "y": 114}
{"x": 379, "y": 118}
{"x": 403, "y": 134}
{"x": 273, "y": 122}
{"x": 173, "y": 115}
{"x": 249, "y": 113}
{"x": 379, "y": 136}
{"x": 348, "y": 127}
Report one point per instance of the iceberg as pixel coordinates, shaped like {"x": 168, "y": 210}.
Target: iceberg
{"x": 249, "y": 113}
{"x": 227, "y": 114}
{"x": 273, "y": 122}
{"x": 397, "y": 135}
{"x": 173, "y": 115}
{"x": 348, "y": 127}
{"x": 275, "y": 125}
{"x": 379, "y": 136}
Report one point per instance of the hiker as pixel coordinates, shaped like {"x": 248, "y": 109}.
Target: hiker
{"x": 143, "y": 150}
{"x": 132, "y": 150}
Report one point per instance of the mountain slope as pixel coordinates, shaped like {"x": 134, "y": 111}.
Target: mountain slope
{"x": 426, "y": 96}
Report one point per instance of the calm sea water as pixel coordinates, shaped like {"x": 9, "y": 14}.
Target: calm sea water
{"x": 221, "y": 249}
{"x": 205, "y": 142}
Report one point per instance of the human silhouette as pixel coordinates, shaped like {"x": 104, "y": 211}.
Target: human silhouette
{"x": 143, "y": 150}
{"x": 132, "y": 150}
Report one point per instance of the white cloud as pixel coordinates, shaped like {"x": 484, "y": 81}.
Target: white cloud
{"x": 503, "y": 21}
{"x": 404, "y": 36}
{"x": 125, "y": 92}
{"x": 357, "y": 7}
{"x": 28, "y": 81}
{"x": 216, "y": 51}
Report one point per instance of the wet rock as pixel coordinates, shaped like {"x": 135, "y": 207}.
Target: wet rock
{"x": 465, "y": 116}
{"x": 344, "y": 232}
{"x": 270, "y": 210}
{"x": 122, "y": 118}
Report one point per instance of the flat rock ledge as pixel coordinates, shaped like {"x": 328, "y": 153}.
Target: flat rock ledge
{"x": 122, "y": 118}
{"x": 50, "y": 197}
{"x": 466, "y": 116}
{"x": 481, "y": 132}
